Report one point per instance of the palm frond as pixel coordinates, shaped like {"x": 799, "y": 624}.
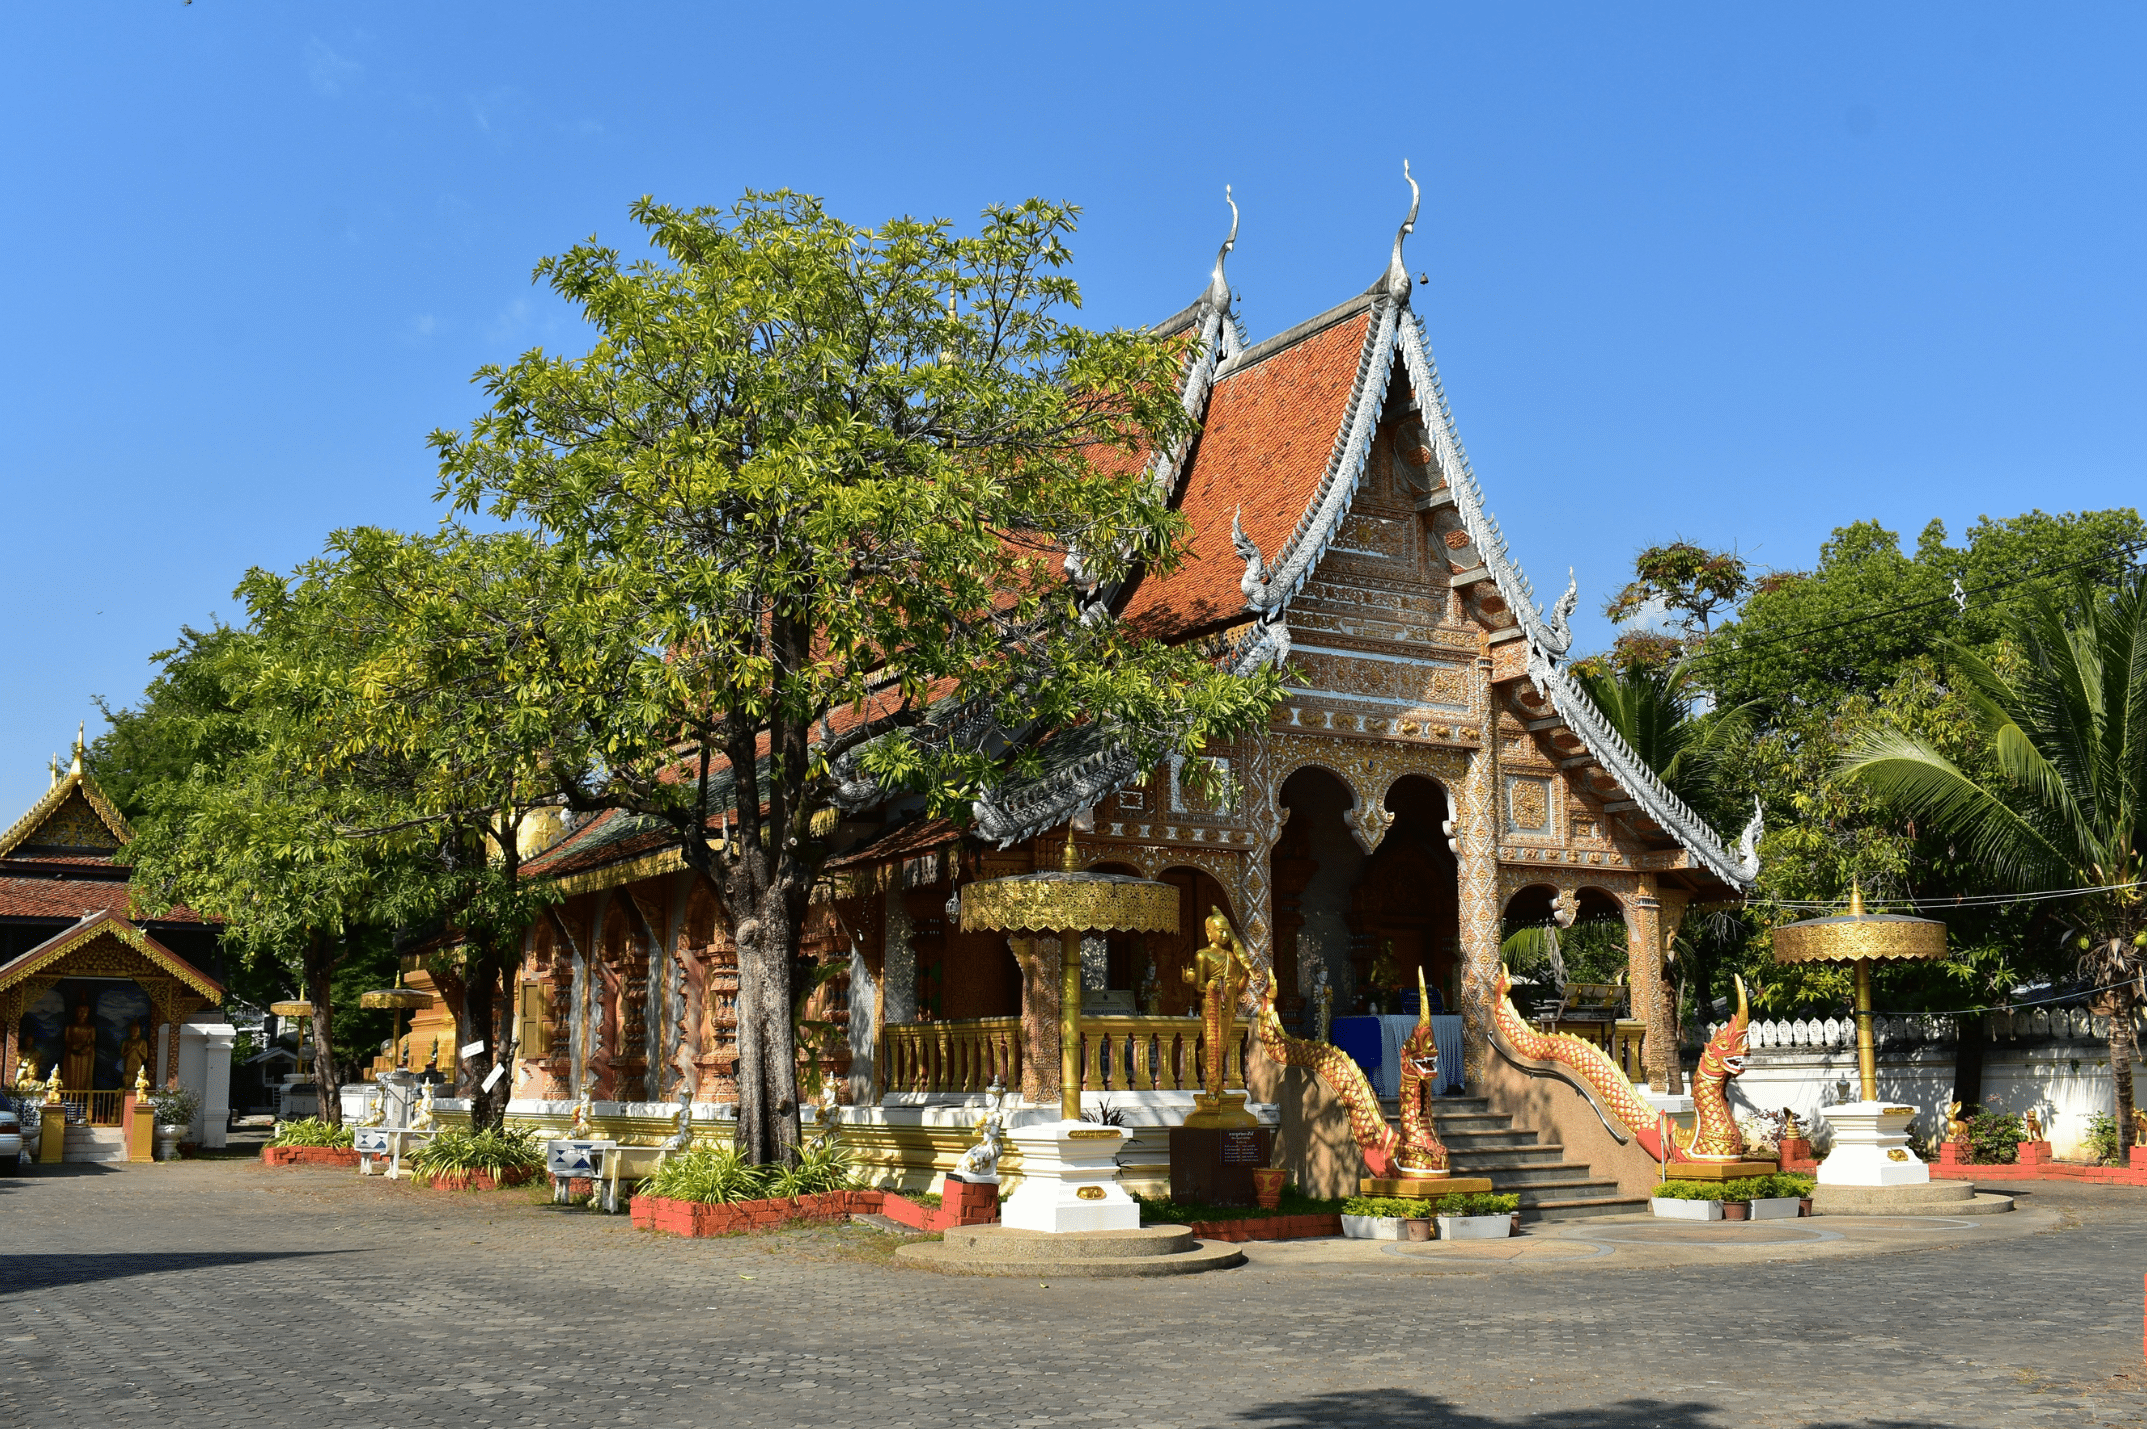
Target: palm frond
{"x": 1920, "y": 781}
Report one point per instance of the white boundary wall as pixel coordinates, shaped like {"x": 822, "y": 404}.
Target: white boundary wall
{"x": 2055, "y": 1064}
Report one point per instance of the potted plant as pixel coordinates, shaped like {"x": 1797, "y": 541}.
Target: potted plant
{"x": 172, "y": 1110}
{"x": 1688, "y": 1200}
{"x": 1780, "y": 1196}
{"x": 1381, "y": 1217}
{"x": 1482, "y": 1215}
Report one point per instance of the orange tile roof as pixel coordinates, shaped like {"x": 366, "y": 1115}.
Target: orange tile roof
{"x": 1269, "y": 433}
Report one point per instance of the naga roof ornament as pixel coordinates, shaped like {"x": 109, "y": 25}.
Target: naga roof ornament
{"x": 1217, "y": 296}
{"x": 1396, "y": 282}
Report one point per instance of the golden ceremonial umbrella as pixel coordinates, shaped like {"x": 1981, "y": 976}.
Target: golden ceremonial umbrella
{"x": 1070, "y": 902}
{"x": 401, "y": 1000}
{"x": 1860, "y": 938}
{"x": 297, "y": 1007}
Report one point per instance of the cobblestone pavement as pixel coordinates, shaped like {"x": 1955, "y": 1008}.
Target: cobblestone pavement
{"x": 226, "y": 1293}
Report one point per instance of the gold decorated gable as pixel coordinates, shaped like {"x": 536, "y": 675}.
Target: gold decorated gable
{"x": 1055, "y": 902}
{"x": 1876, "y": 936}
{"x": 106, "y": 945}
{"x": 74, "y": 813}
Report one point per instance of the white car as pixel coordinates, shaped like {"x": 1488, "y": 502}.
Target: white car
{"x": 10, "y": 1137}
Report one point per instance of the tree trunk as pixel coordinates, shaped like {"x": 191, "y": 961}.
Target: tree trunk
{"x": 319, "y": 968}
{"x": 2121, "y": 1065}
{"x": 768, "y": 1124}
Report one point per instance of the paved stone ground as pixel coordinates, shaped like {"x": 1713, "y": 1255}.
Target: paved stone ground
{"x": 225, "y": 1293}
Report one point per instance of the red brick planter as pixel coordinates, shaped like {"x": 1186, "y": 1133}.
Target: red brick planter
{"x": 695, "y": 1218}
{"x": 963, "y": 1203}
{"x": 309, "y": 1156}
{"x": 475, "y": 1180}
{"x": 1268, "y": 1228}
{"x": 2135, "y": 1175}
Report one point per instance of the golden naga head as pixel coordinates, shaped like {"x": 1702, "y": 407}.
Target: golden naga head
{"x": 1725, "y": 1051}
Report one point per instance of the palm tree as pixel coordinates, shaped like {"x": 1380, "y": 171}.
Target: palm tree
{"x": 1655, "y": 709}
{"x": 2067, "y": 807}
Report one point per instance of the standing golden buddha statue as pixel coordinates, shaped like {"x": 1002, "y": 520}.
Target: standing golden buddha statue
{"x": 1219, "y": 975}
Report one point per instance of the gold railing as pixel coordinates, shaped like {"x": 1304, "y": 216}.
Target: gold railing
{"x": 1118, "y": 1054}
{"x": 950, "y": 1056}
{"x": 93, "y": 1108}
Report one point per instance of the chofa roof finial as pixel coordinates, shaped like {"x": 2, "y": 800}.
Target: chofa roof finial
{"x": 1397, "y": 279}
{"x": 77, "y": 769}
{"x": 1218, "y": 294}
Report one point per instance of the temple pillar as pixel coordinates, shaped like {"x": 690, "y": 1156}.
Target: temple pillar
{"x": 1038, "y": 959}
{"x": 864, "y": 1029}
{"x": 898, "y": 979}
{"x": 1645, "y": 942}
{"x": 1476, "y": 820}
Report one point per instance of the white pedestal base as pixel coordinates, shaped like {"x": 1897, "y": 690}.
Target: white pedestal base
{"x": 1871, "y": 1147}
{"x": 1069, "y": 1180}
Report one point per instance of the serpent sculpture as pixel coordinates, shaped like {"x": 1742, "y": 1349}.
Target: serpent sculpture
{"x": 1714, "y": 1136}
{"x": 1416, "y": 1149}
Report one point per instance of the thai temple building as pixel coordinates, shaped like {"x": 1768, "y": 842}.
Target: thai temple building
{"x": 89, "y": 988}
{"x": 1432, "y": 773}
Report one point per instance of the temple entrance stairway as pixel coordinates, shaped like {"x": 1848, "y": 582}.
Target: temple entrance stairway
{"x": 1481, "y": 1142}
{"x": 95, "y": 1143}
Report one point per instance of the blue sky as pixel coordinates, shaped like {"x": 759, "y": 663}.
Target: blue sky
{"x": 1732, "y": 273}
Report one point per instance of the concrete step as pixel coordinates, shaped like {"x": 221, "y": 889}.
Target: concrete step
{"x": 1470, "y": 1124}
{"x": 1478, "y": 1140}
{"x": 1085, "y": 1255}
{"x": 1512, "y": 1176}
{"x": 1582, "y": 1208}
{"x": 1492, "y": 1156}
{"x": 94, "y": 1143}
{"x": 1561, "y": 1192}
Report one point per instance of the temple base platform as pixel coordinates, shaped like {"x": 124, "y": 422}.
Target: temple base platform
{"x": 1071, "y": 1255}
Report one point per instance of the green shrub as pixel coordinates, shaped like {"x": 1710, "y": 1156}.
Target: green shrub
{"x": 1690, "y": 1191}
{"x": 713, "y": 1175}
{"x": 311, "y": 1131}
{"x": 1994, "y": 1138}
{"x": 175, "y": 1106}
{"x": 2102, "y": 1138}
{"x": 1788, "y": 1183}
{"x": 717, "y": 1175}
{"x": 1744, "y": 1188}
{"x": 1392, "y": 1207}
{"x": 496, "y": 1151}
{"x": 1478, "y": 1203}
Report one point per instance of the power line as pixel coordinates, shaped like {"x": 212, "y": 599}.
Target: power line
{"x": 1972, "y": 900}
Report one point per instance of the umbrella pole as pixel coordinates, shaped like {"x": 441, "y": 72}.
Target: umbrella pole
{"x": 1070, "y": 1051}
{"x": 1867, "y": 1062}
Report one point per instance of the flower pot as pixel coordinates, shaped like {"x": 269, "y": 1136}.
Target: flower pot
{"x": 1775, "y": 1208}
{"x": 1736, "y": 1210}
{"x": 1417, "y": 1229}
{"x": 167, "y": 1139}
{"x": 1496, "y": 1227}
{"x": 1267, "y": 1186}
{"x": 1372, "y": 1227}
{"x": 1804, "y": 1205}
{"x": 1672, "y": 1209}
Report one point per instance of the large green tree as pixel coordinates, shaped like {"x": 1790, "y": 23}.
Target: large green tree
{"x": 401, "y": 665}
{"x": 841, "y": 503}
{"x": 2066, "y": 807}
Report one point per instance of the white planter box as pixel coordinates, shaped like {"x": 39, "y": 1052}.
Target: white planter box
{"x": 1775, "y": 1208}
{"x": 1475, "y": 1227}
{"x": 1685, "y": 1210}
{"x": 1372, "y": 1227}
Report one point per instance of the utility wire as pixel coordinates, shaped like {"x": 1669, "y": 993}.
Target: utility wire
{"x": 2016, "y": 1006}
{"x": 1964, "y": 901}
{"x": 2127, "y": 550}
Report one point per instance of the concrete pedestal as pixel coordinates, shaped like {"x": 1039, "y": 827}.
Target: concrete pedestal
{"x": 1069, "y": 1180}
{"x": 1871, "y": 1147}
